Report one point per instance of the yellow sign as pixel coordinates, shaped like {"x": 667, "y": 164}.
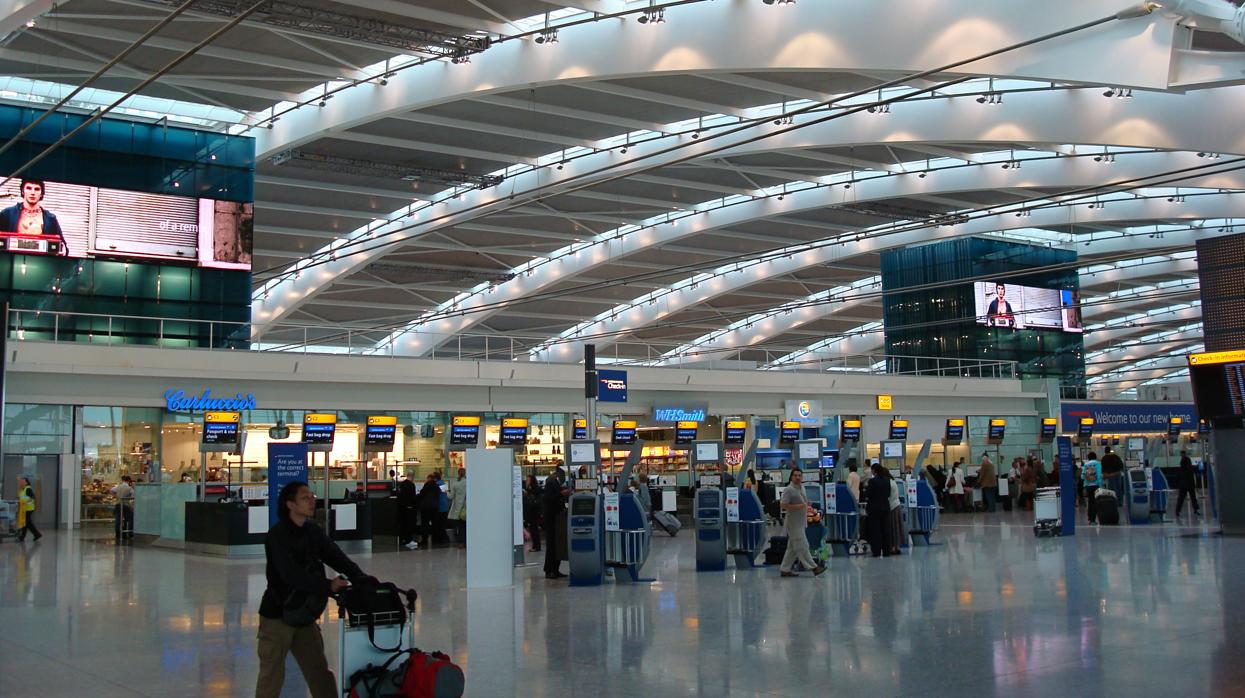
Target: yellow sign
{"x": 1050, "y": 421}
{"x": 955, "y": 422}
{"x": 885, "y": 402}
{"x": 1217, "y": 357}
{"x": 320, "y": 418}
{"x": 1087, "y": 421}
{"x": 790, "y": 425}
{"x": 581, "y": 424}
{"x": 688, "y": 425}
{"x": 514, "y": 422}
{"x": 463, "y": 420}
{"x": 223, "y": 417}
{"x": 624, "y": 424}
{"x": 382, "y": 420}
{"x": 736, "y": 424}
{"x": 998, "y": 422}
{"x": 849, "y": 423}
{"x": 1176, "y": 420}
{"x": 899, "y": 423}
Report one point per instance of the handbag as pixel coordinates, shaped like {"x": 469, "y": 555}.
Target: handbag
{"x": 379, "y": 603}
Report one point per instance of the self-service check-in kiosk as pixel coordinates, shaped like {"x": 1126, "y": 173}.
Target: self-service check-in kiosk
{"x": 921, "y": 514}
{"x": 628, "y": 532}
{"x": 806, "y": 454}
{"x": 586, "y": 520}
{"x": 1138, "y": 496}
{"x": 745, "y": 518}
{"x": 709, "y": 506}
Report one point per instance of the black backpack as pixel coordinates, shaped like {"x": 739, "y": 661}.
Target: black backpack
{"x": 378, "y": 603}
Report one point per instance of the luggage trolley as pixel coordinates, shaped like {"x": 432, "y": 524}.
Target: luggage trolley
{"x": 1046, "y": 512}
{"x": 8, "y": 519}
{"x": 392, "y": 632}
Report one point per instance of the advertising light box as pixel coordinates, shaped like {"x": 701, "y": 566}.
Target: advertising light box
{"x": 1025, "y": 307}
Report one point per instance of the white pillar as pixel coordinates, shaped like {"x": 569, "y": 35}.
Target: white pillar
{"x": 490, "y": 547}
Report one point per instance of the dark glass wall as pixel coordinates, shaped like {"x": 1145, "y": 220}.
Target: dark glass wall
{"x": 930, "y": 310}
{"x": 80, "y": 299}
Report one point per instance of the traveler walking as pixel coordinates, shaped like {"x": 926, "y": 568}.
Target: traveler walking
{"x": 1188, "y": 481}
{"x": 988, "y": 482}
{"x": 26, "y": 506}
{"x": 296, "y": 551}
{"x": 1113, "y": 474}
{"x": 795, "y": 506}
{"x": 458, "y": 507}
{"x": 877, "y": 511}
{"x": 1091, "y": 479}
{"x": 554, "y": 506}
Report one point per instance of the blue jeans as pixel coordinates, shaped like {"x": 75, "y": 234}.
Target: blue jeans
{"x": 989, "y": 495}
{"x": 1115, "y": 483}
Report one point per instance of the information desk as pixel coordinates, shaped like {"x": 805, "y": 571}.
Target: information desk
{"x": 351, "y": 525}
{"x": 229, "y": 530}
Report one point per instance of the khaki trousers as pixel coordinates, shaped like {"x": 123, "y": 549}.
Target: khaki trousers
{"x": 276, "y": 639}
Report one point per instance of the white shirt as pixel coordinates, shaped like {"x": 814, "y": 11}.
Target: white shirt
{"x": 123, "y": 491}
{"x": 893, "y": 499}
{"x": 958, "y": 487}
{"x": 853, "y": 484}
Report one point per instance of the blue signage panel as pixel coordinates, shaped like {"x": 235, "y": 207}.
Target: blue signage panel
{"x": 287, "y": 462}
{"x": 666, "y": 414}
{"x": 176, "y": 400}
{"x": 1125, "y": 417}
{"x": 613, "y": 386}
{"x": 1067, "y": 494}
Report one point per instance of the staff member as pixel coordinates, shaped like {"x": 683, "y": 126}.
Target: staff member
{"x": 297, "y": 550}
{"x": 30, "y": 218}
{"x": 26, "y": 510}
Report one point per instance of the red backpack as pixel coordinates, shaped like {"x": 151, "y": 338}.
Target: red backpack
{"x": 419, "y": 675}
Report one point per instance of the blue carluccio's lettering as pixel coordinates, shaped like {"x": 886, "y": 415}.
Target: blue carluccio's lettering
{"x": 178, "y": 401}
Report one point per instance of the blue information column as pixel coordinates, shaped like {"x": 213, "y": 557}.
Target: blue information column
{"x": 287, "y": 462}
{"x": 1067, "y": 486}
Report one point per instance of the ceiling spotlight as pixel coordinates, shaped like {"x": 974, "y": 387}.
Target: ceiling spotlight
{"x": 922, "y": 174}
{"x": 695, "y": 134}
{"x": 981, "y": 99}
{"x": 1109, "y": 92}
{"x": 653, "y": 15}
{"x": 560, "y": 165}
{"x": 548, "y": 36}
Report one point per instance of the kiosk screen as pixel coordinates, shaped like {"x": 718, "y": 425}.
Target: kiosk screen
{"x": 1136, "y": 443}
{"x": 623, "y": 432}
{"x": 708, "y": 452}
{"x": 583, "y": 506}
{"x": 997, "y": 428}
{"x": 579, "y": 430}
{"x": 790, "y": 433}
{"x": 584, "y": 453}
{"x": 685, "y": 432}
{"x": 850, "y": 430}
{"x": 955, "y": 431}
{"x": 828, "y": 459}
{"x": 735, "y": 432}
{"x": 892, "y": 449}
{"x": 513, "y": 432}
{"x": 899, "y": 429}
{"x": 465, "y": 430}
{"x": 221, "y": 427}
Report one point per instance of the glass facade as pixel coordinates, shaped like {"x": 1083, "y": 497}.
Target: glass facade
{"x": 939, "y": 317}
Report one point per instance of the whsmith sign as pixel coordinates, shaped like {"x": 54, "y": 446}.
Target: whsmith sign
{"x": 1125, "y": 417}
{"x": 176, "y": 400}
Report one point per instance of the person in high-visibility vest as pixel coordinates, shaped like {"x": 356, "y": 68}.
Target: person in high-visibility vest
{"x": 26, "y": 510}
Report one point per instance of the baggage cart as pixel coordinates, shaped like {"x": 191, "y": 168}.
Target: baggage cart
{"x": 1046, "y": 518}
{"x": 393, "y": 632}
{"x": 8, "y": 519}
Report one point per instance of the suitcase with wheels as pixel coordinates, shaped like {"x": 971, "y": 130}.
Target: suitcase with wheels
{"x": 1108, "y": 507}
{"x": 667, "y": 522}
{"x": 776, "y": 550}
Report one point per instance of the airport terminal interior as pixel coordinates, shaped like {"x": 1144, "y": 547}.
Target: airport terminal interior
{"x": 659, "y": 347}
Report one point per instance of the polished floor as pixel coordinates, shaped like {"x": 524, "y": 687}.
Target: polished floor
{"x": 1121, "y": 611}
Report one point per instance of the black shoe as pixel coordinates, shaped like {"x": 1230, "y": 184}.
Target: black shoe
{"x": 818, "y": 570}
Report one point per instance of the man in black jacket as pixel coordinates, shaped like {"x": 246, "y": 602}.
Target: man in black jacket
{"x": 1188, "y": 481}
{"x": 296, "y": 551}
{"x": 1113, "y": 474}
{"x": 554, "y": 505}
{"x": 408, "y": 513}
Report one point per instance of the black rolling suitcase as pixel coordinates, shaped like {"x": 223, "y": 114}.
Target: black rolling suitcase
{"x": 667, "y": 522}
{"x": 776, "y": 550}
{"x": 1108, "y": 507}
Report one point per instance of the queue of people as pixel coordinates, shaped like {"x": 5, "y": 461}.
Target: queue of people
{"x": 428, "y": 511}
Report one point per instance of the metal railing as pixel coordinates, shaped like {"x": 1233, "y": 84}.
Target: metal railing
{"x": 223, "y": 335}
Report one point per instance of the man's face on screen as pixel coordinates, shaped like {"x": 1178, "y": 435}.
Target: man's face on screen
{"x": 32, "y": 193}
{"x": 1000, "y": 291}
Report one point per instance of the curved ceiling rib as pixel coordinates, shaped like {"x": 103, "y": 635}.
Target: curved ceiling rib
{"x": 747, "y": 37}
{"x": 1033, "y": 117}
{"x": 699, "y": 288}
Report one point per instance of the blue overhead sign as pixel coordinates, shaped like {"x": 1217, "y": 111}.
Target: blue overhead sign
{"x": 1125, "y": 417}
{"x": 613, "y": 386}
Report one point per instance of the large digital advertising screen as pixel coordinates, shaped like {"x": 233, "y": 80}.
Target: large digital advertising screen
{"x": 73, "y": 220}
{"x": 1017, "y": 307}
